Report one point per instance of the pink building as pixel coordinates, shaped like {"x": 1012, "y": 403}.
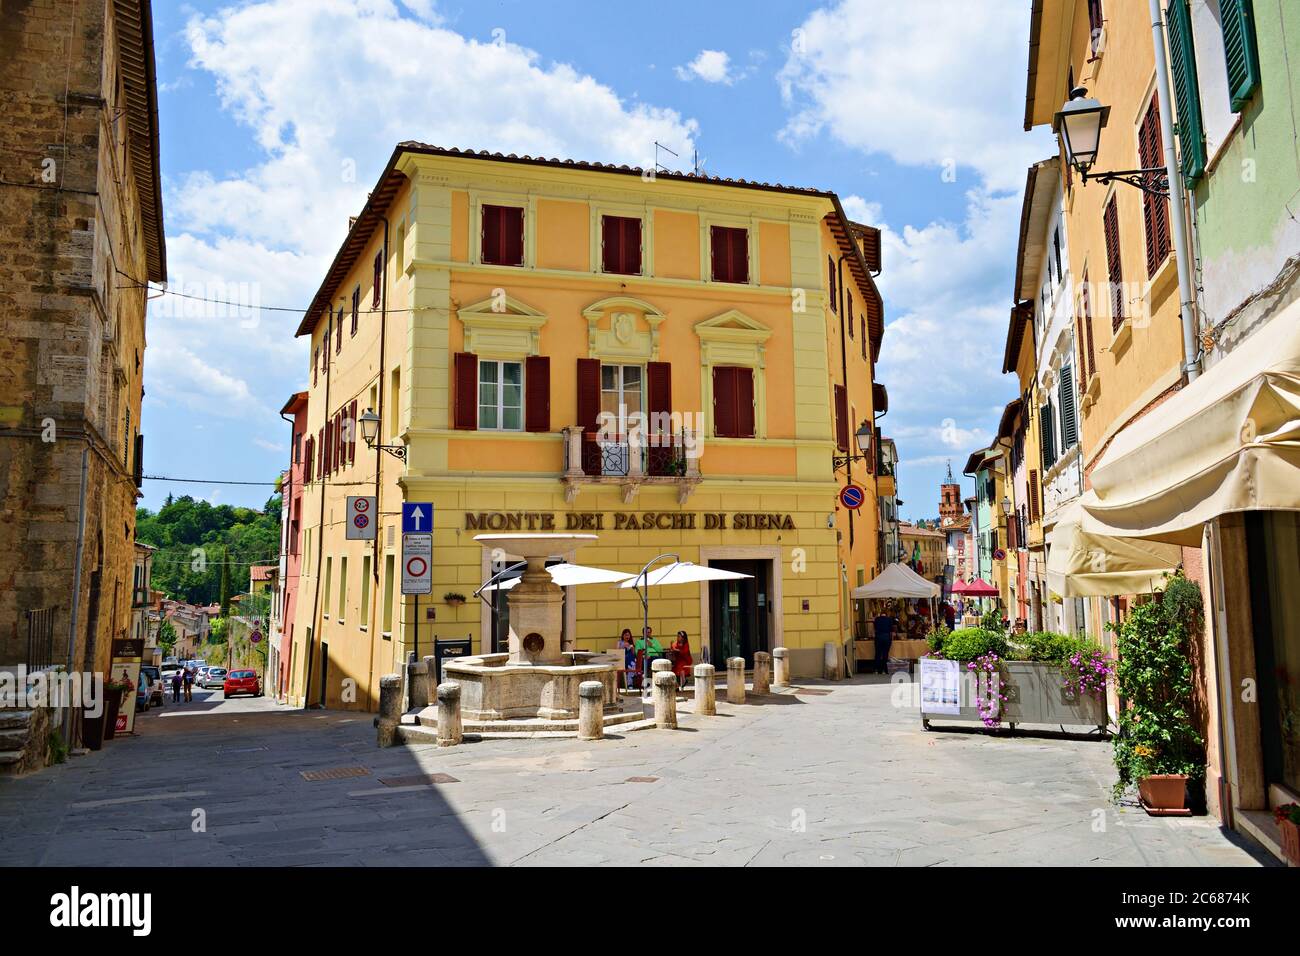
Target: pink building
{"x": 280, "y": 653}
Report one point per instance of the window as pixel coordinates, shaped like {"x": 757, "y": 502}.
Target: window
{"x": 378, "y": 279}
{"x": 1089, "y": 365}
{"x": 733, "y": 402}
{"x": 1114, "y": 266}
{"x": 364, "y": 622}
{"x": 503, "y": 235}
{"x": 620, "y": 245}
{"x": 394, "y": 403}
{"x": 338, "y": 330}
{"x": 1240, "y": 50}
{"x": 841, "y": 417}
{"x": 830, "y": 284}
{"x": 1155, "y": 209}
{"x": 501, "y": 395}
{"x": 1095, "y": 21}
{"x": 343, "y": 588}
{"x": 390, "y": 563}
{"x": 1056, "y": 252}
{"x": 315, "y": 365}
{"x": 1047, "y": 433}
{"x": 729, "y": 247}
{"x": 620, "y": 394}
{"x": 848, "y": 312}
{"x": 1066, "y": 399}
{"x": 329, "y": 567}
{"x": 1187, "y": 95}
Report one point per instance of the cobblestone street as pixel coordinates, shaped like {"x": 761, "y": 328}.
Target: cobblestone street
{"x": 833, "y": 775}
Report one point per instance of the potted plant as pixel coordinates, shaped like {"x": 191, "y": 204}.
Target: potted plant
{"x": 1158, "y": 747}
{"x": 454, "y": 598}
{"x": 1288, "y": 821}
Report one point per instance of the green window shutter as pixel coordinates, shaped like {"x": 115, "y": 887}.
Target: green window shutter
{"x": 1240, "y": 50}
{"x": 1187, "y": 93}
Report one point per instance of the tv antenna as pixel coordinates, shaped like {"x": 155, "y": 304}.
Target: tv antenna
{"x": 659, "y": 165}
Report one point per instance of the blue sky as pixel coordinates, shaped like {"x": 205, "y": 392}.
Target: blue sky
{"x": 277, "y": 116}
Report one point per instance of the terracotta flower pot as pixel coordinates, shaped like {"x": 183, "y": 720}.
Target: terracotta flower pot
{"x": 1290, "y": 841}
{"x": 1164, "y": 792}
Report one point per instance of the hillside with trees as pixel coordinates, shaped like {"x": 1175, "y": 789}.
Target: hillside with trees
{"x": 204, "y": 550}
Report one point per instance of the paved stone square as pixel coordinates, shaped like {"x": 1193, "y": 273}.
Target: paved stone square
{"x": 833, "y": 777}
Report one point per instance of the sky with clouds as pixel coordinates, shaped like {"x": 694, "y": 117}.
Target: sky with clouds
{"x": 277, "y": 116}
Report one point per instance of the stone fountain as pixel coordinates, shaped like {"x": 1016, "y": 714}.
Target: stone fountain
{"x": 537, "y": 677}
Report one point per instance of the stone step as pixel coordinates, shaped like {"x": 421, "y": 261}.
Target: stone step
{"x": 423, "y": 734}
{"x": 13, "y": 719}
{"x": 8, "y": 757}
{"x": 527, "y": 726}
{"x": 12, "y": 740}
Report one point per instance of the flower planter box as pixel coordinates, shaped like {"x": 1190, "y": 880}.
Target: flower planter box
{"x": 1290, "y": 841}
{"x": 1035, "y": 695}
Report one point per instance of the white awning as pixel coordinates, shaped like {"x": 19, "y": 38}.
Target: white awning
{"x": 567, "y": 576}
{"x": 1080, "y": 564}
{"x": 1228, "y": 442}
{"x": 896, "y": 581}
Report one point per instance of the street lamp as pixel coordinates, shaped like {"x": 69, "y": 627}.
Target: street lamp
{"x": 863, "y": 437}
{"x": 1079, "y": 124}
{"x": 369, "y": 423}
{"x": 1006, "y": 505}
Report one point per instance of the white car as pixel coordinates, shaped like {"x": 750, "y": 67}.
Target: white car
{"x": 215, "y": 677}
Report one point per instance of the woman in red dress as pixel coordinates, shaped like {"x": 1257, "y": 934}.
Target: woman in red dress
{"x": 682, "y": 660}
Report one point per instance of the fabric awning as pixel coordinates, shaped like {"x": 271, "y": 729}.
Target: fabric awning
{"x": 977, "y": 588}
{"x": 896, "y": 581}
{"x": 1229, "y": 441}
{"x": 1080, "y": 564}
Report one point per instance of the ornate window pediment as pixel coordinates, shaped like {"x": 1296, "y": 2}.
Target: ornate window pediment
{"x": 623, "y": 327}
{"x": 732, "y": 338}
{"x": 502, "y": 326}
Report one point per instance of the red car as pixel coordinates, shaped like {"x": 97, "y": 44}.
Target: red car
{"x": 242, "y": 682}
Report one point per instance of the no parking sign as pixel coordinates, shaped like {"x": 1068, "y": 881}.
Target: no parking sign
{"x": 852, "y": 496}
{"x": 361, "y": 518}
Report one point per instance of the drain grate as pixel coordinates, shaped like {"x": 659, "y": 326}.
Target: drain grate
{"x": 812, "y": 691}
{"x": 335, "y": 773}
{"x": 641, "y": 780}
{"x": 418, "y": 779}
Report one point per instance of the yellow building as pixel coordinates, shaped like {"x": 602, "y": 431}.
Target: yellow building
{"x": 925, "y": 545}
{"x": 500, "y": 314}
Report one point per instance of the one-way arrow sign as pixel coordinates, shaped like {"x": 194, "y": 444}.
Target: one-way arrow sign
{"x": 417, "y": 517}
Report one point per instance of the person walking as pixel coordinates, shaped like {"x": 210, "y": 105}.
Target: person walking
{"x": 189, "y": 684}
{"x": 885, "y": 623}
{"x": 176, "y": 688}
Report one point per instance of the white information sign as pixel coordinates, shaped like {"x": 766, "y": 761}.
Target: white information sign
{"x": 940, "y": 686}
{"x": 417, "y": 563}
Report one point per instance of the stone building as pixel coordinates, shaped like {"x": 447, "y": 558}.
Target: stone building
{"x": 80, "y": 203}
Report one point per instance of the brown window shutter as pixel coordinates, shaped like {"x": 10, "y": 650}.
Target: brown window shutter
{"x": 329, "y": 447}
{"x": 490, "y": 251}
{"x": 352, "y": 432}
{"x": 717, "y": 254}
{"x": 588, "y": 394}
{"x": 611, "y": 244}
{"x": 632, "y": 246}
{"x": 830, "y": 288}
{"x": 1114, "y": 262}
{"x": 307, "y": 464}
{"x": 744, "y": 402}
{"x": 729, "y": 251}
{"x": 503, "y": 235}
{"x": 848, "y": 311}
{"x": 379, "y": 278}
{"x": 1033, "y": 495}
{"x": 659, "y": 391}
{"x": 466, "y": 404}
{"x": 724, "y": 401}
{"x": 842, "y": 418}
{"x": 315, "y": 366}
{"x": 320, "y": 451}
{"x": 1085, "y": 307}
{"x": 537, "y": 393}
{"x": 740, "y": 255}
{"x": 513, "y": 229}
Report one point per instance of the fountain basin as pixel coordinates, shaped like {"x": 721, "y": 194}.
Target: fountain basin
{"x": 494, "y": 688}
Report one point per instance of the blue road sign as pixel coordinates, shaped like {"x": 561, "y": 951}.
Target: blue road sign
{"x": 852, "y": 497}
{"x": 417, "y": 517}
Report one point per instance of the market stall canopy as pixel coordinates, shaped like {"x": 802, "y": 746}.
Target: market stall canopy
{"x": 896, "y": 581}
{"x": 1229, "y": 441}
{"x": 682, "y": 572}
{"x": 567, "y": 576}
{"x": 1081, "y": 564}
{"x": 977, "y": 588}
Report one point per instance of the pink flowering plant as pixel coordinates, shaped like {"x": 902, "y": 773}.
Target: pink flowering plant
{"x": 992, "y": 690}
{"x": 1087, "y": 671}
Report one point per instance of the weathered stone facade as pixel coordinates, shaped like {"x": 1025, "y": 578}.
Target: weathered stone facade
{"x": 80, "y": 234}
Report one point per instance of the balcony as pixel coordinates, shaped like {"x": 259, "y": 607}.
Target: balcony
{"x": 630, "y": 462}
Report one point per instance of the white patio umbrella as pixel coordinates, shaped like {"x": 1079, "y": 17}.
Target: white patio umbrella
{"x": 566, "y": 576}
{"x": 679, "y": 572}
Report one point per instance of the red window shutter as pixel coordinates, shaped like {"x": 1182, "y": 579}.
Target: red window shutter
{"x": 744, "y": 402}
{"x": 338, "y": 331}
{"x": 491, "y": 250}
{"x": 379, "y": 278}
{"x": 503, "y": 235}
{"x": 356, "y": 308}
{"x": 329, "y": 447}
{"x": 466, "y": 404}
{"x": 863, "y": 330}
{"x": 307, "y": 465}
{"x": 1155, "y": 209}
{"x": 724, "y": 401}
{"x": 352, "y": 432}
{"x": 1114, "y": 263}
{"x": 1085, "y": 308}
{"x": 729, "y": 249}
{"x": 315, "y": 366}
{"x": 632, "y": 246}
{"x": 621, "y": 245}
{"x": 659, "y": 391}
{"x": 537, "y": 393}
{"x": 842, "y": 417}
{"x": 830, "y": 288}
{"x": 340, "y": 457}
{"x": 320, "y": 451}
{"x": 848, "y": 311}
{"x": 588, "y": 418}
{"x": 512, "y": 224}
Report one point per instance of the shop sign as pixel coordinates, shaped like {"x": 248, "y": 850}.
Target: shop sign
{"x": 629, "y": 521}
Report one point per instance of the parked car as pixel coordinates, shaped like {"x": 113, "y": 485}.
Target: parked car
{"x": 157, "y": 684}
{"x": 242, "y": 682}
{"x": 201, "y": 672}
{"x": 213, "y": 678}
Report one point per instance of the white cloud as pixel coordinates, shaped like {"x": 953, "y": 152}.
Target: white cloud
{"x": 324, "y": 113}
{"x": 926, "y": 82}
{"x": 269, "y": 445}
{"x": 711, "y": 66}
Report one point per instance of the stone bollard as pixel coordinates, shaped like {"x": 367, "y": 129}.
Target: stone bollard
{"x": 706, "y": 698}
{"x": 781, "y": 666}
{"x": 665, "y": 690}
{"x": 390, "y": 708}
{"x": 449, "y": 726}
{"x": 431, "y": 678}
{"x": 417, "y": 679}
{"x": 831, "y": 661}
{"x": 735, "y": 680}
{"x": 591, "y": 710}
{"x": 762, "y": 672}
